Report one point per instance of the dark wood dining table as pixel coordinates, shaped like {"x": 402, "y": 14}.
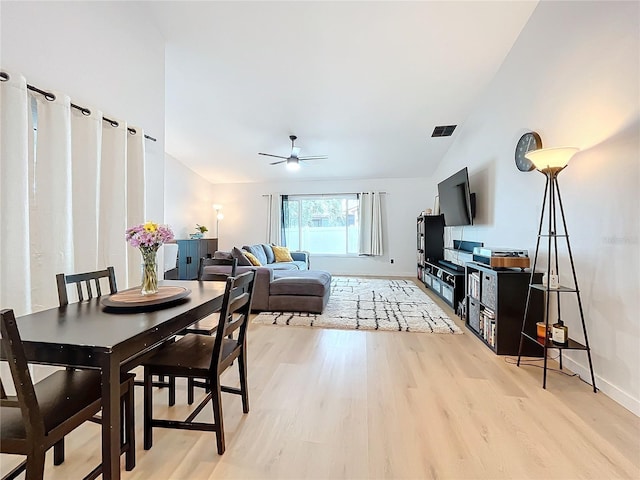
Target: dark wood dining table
{"x": 89, "y": 335}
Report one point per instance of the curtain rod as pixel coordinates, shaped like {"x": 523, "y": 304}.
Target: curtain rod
{"x": 85, "y": 111}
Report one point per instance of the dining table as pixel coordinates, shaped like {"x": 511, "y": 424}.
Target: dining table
{"x": 89, "y": 334}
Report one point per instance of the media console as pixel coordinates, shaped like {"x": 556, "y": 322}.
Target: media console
{"x": 445, "y": 282}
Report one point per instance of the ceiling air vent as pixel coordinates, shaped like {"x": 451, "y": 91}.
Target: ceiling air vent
{"x": 443, "y": 130}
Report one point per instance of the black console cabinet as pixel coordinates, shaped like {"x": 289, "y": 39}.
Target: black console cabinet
{"x": 496, "y": 300}
{"x": 189, "y": 254}
{"x": 445, "y": 282}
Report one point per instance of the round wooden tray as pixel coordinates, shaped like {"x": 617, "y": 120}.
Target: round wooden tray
{"x": 132, "y": 298}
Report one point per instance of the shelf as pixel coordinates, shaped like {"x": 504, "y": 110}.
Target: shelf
{"x": 571, "y": 345}
{"x": 559, "y": 289}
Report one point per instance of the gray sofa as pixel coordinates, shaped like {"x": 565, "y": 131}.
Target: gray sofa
{"x": 280, "y": 286}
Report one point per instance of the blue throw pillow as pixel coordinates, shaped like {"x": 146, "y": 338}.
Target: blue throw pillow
{"x": 271, "y": 257}
{"x": 258, "y": 252}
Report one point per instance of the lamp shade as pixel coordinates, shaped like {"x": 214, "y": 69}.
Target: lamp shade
{"x": 556, "y": 159}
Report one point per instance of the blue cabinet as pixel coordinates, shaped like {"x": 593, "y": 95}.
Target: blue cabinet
{"x": 189, "y": 254}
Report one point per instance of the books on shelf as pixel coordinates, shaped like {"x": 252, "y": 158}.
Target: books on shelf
{"x": 473, "y": 285}
{"x": 488, "y": 326}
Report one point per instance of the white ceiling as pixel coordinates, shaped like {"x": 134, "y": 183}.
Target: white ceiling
{"x": 363, "y": 82}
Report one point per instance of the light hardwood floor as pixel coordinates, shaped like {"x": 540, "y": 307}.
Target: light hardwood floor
{"x": 331, "y": 404}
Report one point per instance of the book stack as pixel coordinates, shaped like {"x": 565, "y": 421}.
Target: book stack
{"x": 473, "y": 285}
{"x": 488, "y": 326}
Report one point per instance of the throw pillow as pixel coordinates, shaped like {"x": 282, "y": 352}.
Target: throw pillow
{"x": 269, "y": 252}
{"x": 252, "y": 258}
{"x": 242, "y": 260}
{"x": 258, "y": 252}
{"x": 282, "y": 254}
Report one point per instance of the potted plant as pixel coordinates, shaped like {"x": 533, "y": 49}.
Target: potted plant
{"x": 200, "y": 231}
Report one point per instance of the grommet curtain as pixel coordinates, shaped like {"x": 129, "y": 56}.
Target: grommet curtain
{"x": 370, "y": 234}
{"x": 70, "y": 184}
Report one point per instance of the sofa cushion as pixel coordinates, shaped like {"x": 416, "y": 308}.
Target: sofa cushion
{"x": 242, "y": 260}
{"x": 258, "y": 252}
{"x": 313, "y": 283}
{"x": 268, "y": 252}
{"x": 282, "y": 254}
{"x": 252, "y": 258}
{"x": 277, "y": 266}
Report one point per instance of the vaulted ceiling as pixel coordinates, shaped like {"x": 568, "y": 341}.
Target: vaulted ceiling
{"x": 362, "y": 82}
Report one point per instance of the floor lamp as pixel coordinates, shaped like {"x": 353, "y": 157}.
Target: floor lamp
{"x": 550, "y": 162}
{"x": 219, "y": 216}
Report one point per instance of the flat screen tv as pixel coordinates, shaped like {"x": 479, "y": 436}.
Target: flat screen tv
{"x": 457, "y": 203}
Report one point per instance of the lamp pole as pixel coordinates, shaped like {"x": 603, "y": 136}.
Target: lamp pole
{"x": 219, "y": 216}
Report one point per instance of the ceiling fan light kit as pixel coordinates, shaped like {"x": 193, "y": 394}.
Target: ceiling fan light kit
{"x": 293, "y": 160}
{"x": 292, "y": 164}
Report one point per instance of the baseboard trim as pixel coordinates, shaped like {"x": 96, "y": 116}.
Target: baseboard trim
{"x": 610, "y": 390}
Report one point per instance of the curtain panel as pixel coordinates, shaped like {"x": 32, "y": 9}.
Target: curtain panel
{"x": 370, "y": 231}
{"x": 70, "y": 184}
{"x": 15, "y": 271}
{"x": 277, "y": 219}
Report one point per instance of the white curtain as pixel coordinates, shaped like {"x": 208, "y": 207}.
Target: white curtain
{"x": 274, "y": 219}
{"x": 135, "y": 199}
{"x": 50, "y": 214}
{"x": 67, "y": 194}
{"x": 15, "y": 274}
{"x": 86, "y": 142}
{"x": 370, "y": 232}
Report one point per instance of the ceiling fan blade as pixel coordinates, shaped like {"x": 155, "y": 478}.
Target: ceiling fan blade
{"x": 270, "y": 155}
{"x": 295, "y": 151}
{"x": 318, "y": 157}
{"x": 276, "y": 163}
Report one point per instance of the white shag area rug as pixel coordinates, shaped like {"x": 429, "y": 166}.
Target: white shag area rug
{"x": 371, "y": 304}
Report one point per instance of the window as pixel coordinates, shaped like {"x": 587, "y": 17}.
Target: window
{"x": 321, "y": 224}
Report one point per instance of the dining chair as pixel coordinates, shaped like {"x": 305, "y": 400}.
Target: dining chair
{"x": 40, "y": 415}
{"x": 205, "y": 357}
{"x": 208, "y": 325}
{"x": 87, "y": 286}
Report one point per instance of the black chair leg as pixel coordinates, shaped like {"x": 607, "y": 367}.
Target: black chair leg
{"x": 216, "y": 401}
{"x": 242, "y": 367}
{"x": 129, "y": 414}
{"x": 172, "y": 390}
{"x": 58, "y": 452}
{"x": 190, "y": 389}
{"x": 148, "y": 410}
{"x": 35, "y": 465}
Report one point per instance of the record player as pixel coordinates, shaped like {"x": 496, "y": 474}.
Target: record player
{"x": 501, "y": 257}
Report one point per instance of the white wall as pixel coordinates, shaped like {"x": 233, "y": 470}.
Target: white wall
{"x": 572, "y": 76}
{"x": 245, "y": 219}
{"x": 189, "y": 199}
{"x": 104, "y": 55}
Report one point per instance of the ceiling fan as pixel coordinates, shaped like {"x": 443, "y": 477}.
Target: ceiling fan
{"x": 294, "y": 159}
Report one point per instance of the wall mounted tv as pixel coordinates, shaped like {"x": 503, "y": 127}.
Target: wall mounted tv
{"x": 457, "y": 203}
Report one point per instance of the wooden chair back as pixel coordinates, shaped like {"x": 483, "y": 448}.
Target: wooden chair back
{"x": 234, "y": 314}
{"x": 216, "y": 277}
{"x": 26, "y": 399}
{"x": 85, "y": 279}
